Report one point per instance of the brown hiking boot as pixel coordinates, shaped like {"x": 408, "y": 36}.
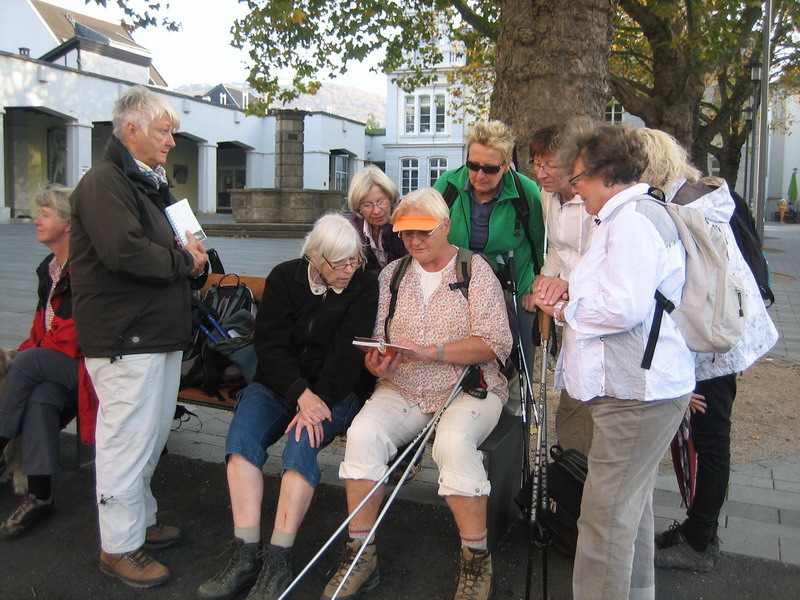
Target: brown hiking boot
{"x": 27, "y": 514}
{"x": 135, "y": 568}
{"x": 161, "y": 536}
{"x": 475, "y": 579}
{"x": 364, "y": 576}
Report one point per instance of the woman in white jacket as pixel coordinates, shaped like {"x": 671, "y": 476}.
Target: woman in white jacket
{"x": 694, "y": 544}
{"x": 568, "y": 230}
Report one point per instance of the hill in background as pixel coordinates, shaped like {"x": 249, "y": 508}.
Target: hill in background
{"x": 344, "y": 101}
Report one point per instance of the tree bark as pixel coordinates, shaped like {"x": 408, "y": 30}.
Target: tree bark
{"x": 552, "y": 65}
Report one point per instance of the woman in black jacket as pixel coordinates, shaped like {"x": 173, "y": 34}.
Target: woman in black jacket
{"x": 309, "y": 384}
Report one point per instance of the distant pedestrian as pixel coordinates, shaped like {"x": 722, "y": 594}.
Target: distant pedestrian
{"x": 132, "y": 298}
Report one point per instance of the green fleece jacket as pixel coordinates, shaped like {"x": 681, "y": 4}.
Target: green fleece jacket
{"x": 504, "y": 232}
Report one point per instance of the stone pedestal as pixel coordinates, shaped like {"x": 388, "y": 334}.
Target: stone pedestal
{"x": 283, "y": 206}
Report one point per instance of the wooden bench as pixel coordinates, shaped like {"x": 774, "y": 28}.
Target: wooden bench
{"x": 502, "y": 450}
{"x": 224, "y": 397}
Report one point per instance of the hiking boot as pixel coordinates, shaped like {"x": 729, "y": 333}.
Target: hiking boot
{"x": 475, "y": 579}
{"x": 161, "y": 536}
{"x": 240, "y": 572}
{"x": 683, "y": 556}
{"x": 134, "y": 568}
{"x": 275, "y": 575}
{"x": 28, "y": 512}
{"x": 364, "y": 576}
{"x": 714, "y": 545}
{"x": 670, "y": 537}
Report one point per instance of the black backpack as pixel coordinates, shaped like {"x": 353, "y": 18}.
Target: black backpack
{"x": 744, "y": 230}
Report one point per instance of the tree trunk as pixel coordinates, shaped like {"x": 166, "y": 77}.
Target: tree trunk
{"x": 552, "y": 65}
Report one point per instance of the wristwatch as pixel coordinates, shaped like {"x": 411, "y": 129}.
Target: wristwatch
{"x": 558, "y": 311}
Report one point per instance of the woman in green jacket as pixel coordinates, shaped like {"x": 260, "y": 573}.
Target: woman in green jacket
{"x": 494, "y": 210}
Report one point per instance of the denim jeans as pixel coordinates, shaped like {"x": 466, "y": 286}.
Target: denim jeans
{"x": 260, "y": 419}
{"x": 711, "y": 432}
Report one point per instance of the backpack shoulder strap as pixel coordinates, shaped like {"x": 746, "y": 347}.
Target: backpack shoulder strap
{"x": 450, "y": 194}
{"x": 463, "y": 271}
{"x": 394, "y": 285}
{"x": 520, "y": 202}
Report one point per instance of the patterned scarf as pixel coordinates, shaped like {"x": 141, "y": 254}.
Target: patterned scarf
{"x": 157, "y": 176}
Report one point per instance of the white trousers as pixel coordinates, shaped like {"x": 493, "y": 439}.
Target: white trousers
{"x": 387, "y": 423}
{"x": 137, "y": 394}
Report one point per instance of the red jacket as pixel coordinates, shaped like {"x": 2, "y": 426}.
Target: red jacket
{"x": 62, "y": 337}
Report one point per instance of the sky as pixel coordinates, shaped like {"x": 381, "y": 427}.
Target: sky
{"x": 201, "y": 51}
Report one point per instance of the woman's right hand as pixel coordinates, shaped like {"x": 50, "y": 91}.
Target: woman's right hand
{"x": 382, "y": 366}
{"x": 549, "y": 290}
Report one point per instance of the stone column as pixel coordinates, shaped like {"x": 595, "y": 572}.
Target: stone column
{"x": 5, "y": 210}
{"x": 206, "y": 177}
{"x": 18, "y": 163}
{"x": 289, "y": 147}
{"x": 79, "y": 151}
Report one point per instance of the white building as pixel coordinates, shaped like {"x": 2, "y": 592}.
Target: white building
{"x": 61, "y": 73}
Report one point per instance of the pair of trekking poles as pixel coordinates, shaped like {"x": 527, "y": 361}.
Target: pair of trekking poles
{"x": 535, "y": 513}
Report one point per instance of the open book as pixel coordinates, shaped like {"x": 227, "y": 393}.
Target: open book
{"x": 367, "y": 344}
{"x": 181, "y": 217}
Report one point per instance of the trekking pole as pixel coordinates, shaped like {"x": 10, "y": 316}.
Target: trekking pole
{"x": 420, "y": 448}
{"x": 417, "y": 443}
{"x": 206, "y": 313}
{"x": 527, "y": 406}
{"x": 538, "y": 511}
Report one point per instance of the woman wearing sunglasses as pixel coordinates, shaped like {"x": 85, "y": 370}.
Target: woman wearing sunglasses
{"x": 483, "y": 216}
{"x": 372, "y": 196}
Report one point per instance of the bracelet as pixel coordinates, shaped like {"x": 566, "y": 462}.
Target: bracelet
{"x": 440, "y": 352}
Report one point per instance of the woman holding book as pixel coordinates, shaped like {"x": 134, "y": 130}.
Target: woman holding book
{"x": 445, "y": 329}
{"x": 372, "y": 196}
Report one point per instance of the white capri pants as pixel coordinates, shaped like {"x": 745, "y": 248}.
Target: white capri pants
{"x": 137, "y": 395}
{"x": 387, "y": 423}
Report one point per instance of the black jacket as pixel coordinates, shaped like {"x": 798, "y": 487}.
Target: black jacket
{"x": 306, "y": 341}
{"x": 130, "y": 282}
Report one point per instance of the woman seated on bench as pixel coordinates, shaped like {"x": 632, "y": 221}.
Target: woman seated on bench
{"x": 446, "y": 329}
{"x": 309, "y": 384}
{"x": 46, "y": 382}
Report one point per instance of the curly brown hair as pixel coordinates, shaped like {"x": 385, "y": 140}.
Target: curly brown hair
{"x": 612, "y": 152}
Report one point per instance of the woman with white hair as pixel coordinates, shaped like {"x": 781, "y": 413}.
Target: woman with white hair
{"x": 446, "y": 330}
{"x": 309, "y": 384}
{"x": 131, "y": 284}
{"x": 372, "y": 197}
{"x": 46, "y": 384}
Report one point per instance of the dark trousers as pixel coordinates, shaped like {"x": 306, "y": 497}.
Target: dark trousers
{"x": 40, "y": 398}
{"x": 711, "y": 432}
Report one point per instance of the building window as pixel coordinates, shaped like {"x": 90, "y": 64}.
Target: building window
{"x": 437, "y": 167}
{"x": 411, "y": 116}
{"x": 340, "y": 176}
{"x": 614, "y": 113}
{"x": 409, "y": 175}
{"x": 425, "y": 113}
{"x": 223, "y": 99}
{"x": 440, "y": 112}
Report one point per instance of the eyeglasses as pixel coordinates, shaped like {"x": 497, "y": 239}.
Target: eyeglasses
{"x": 341, "y": 266}
{"x": 488, "y": 169}
{"x": 537, "y": 166}
{"x": 573, "y": 181}
{"x": 411, "y": 234}
{"x": 383, "y": 204}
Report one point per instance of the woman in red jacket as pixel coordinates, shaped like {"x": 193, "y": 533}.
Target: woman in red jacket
{"x": 46, "y": 383}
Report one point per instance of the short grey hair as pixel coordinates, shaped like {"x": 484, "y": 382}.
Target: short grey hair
{"x": 362, "y": 183}
{"x": 333, "y": 237}
{"x": 428, "y": 201}
{"x": 55, "y": 196}
{"x": 141, "y": 106}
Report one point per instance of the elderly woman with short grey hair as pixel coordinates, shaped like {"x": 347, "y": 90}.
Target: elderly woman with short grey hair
{"x": 132, "y": 283}
{"x": 309, "y": 384}
{"x": 372, "y": 196}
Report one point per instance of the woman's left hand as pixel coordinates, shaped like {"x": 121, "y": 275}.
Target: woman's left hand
{"x": 382, "y": 366}
{"x": 529, "y": 303}
{"x": 312, "y": 412}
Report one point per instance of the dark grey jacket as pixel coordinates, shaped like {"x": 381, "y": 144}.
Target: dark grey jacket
{"x": 130, "y": 283}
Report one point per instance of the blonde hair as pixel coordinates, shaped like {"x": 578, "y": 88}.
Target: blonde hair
{"x": 493, "y": 134}
{"x": 667, "y": 160}
{"x": 141, "y": 106}
{"x": 333, "y": 237}
{"x": 55, "y": 196}
{"x": 362, "y": 183}
{"x": 428, "y": 201}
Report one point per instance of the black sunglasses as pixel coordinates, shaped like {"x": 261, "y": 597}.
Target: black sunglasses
{"x": 488, "y": 169}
